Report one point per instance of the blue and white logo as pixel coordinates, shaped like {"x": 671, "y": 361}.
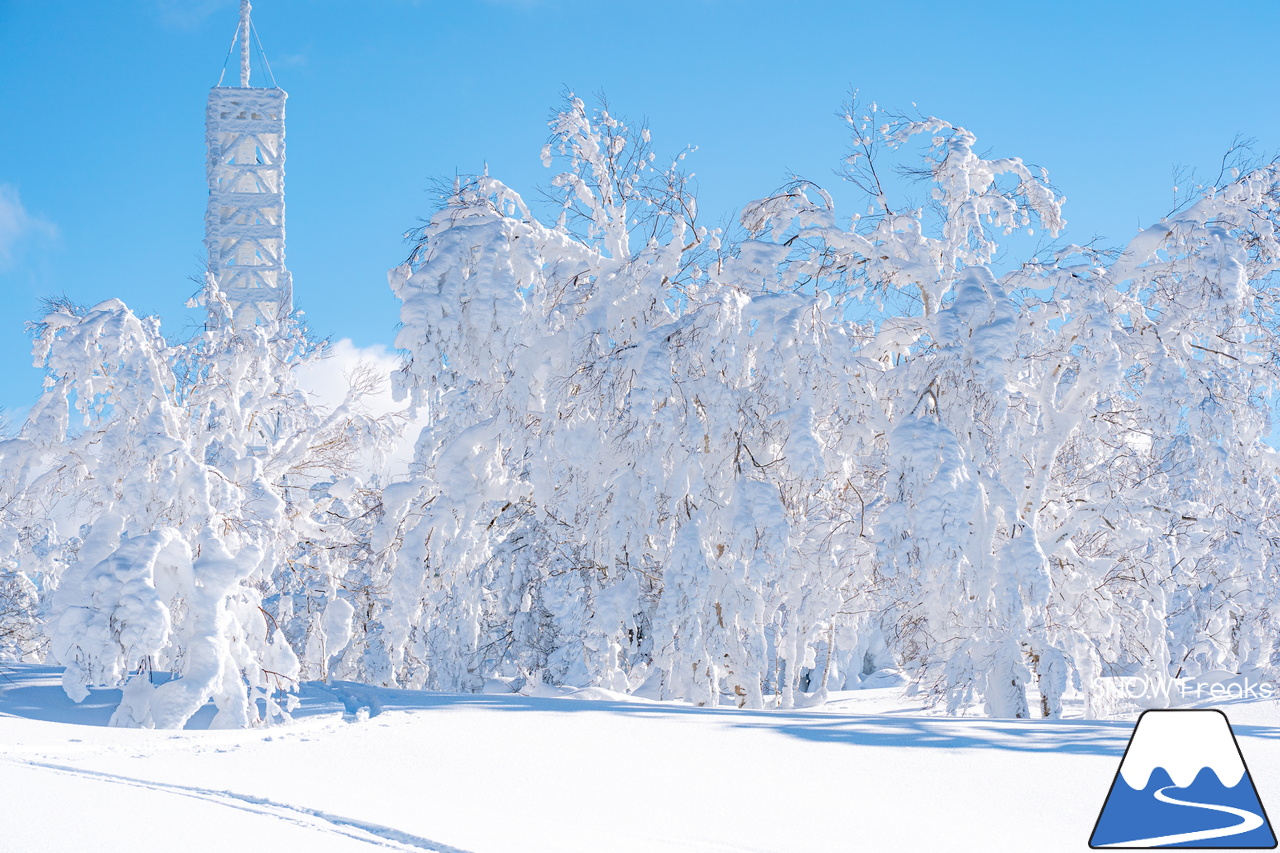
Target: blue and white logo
{"x": 1183, "y": 783}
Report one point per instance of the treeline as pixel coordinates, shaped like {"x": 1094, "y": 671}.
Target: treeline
{"x": 746, "y": 467}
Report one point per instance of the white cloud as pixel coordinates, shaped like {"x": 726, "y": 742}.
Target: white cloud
{"x": 327, "y": 380}
{"x": 17, "y": 226}
{"x": 187, "y": 14}
{"x": 289, "y": 60}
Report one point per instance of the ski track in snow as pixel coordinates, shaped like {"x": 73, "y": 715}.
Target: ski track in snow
{"x": 369, "y": 833}
{"x": 1249, "y": 821}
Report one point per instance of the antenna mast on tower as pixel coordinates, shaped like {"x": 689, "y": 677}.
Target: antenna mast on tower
{"x": 244, "y": 223}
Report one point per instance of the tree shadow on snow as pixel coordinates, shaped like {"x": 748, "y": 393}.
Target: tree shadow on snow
{"x": 1085, "y": 737}
{"x": 35, "y": 692}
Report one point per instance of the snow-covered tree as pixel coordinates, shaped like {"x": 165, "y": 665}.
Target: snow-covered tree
{"x": 685, "y": 468}
{"x": 746, "y": 467}
{"x": 175, "y": 504}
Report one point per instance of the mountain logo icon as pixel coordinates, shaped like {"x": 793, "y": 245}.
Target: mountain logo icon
{"x": 1183, "y": 783}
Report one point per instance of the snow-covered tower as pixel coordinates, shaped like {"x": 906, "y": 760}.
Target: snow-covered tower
{"x": 244, "y": 224}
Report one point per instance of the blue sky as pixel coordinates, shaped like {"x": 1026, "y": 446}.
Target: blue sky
{"x": 102, "y": 187}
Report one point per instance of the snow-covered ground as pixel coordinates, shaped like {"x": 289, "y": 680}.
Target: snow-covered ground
{"x": 361, "y": 768}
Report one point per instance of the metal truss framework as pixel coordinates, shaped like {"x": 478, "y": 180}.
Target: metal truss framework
{"x": 244, "y": 223}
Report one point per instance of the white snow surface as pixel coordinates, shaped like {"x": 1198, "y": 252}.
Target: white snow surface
{"x": 1183, "y": 743}
{"x": 362, "y": 768}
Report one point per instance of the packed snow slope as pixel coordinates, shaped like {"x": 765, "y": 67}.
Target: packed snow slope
{"x": 362, "y": 768}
